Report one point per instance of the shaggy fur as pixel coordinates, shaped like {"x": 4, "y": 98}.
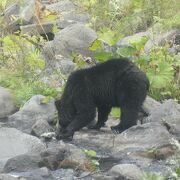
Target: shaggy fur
{"x": 114, "y": 83}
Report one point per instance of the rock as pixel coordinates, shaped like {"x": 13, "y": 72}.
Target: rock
{"x": 161, "y": 39}
{"x": 66, "y": 66}
{"x": 69, "y": 19}
{"x": 33, "y": 110}
{"x": 150, "y": 105}
{"x": 7, "y": 103}
{"x": 36, "y": 174}
{"x": 22, "y": 163}
{"x": 7, "y": 177}
{"x": 126, "y": 41}
{"x": 75, "y": 38}
{"x": 31, "y": 11}
{"x": 14, "y": 143}
{"x": 126, "y": 172}
{"x": 52, "y": 157}
{"x": 102, "y": 177}
{"x": 62, "y": 7}
{"x": 12, "y": 10}
{"x": 64, "y": 155}
{"x": 40, "y": 127}
{"x": 169, "y": 114}
{"x": 142, "y": 145}
{"x": 38, "y": 29}
{"x": 67, "y": 174}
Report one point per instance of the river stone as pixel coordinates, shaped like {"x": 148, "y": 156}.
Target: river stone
{"x": 33, "y": 110}
{"x": 126, "y": 172}
{"x": 40, "y": 127}
{"x": 7, "y": 103}
{"x": 22, "y": 163}
{"x": 14, "y": 143}
{"x": 36, "y": 174}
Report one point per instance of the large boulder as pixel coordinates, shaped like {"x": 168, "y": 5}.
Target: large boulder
{"x": 7, "y": 103}
{"x": 169, "y": 114}
{"x": 33, "y": 110}
{"x": 14, "y": 143}
{"x": 76, "y": 38}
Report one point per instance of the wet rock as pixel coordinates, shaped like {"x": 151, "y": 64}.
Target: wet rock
{"x": 14, "y": 143}
{"x": 75, "y": 38}
{"x": 40, "y": 127}
{"x": 7, "y": 103}
{"x": 22, "y": 163}
{"x": 126, "y": 172}
{"x": 33, "y": 110}
{"x": 36, "y": 174}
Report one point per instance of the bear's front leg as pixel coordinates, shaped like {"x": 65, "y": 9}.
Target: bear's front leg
{"x": 103, "y": 113}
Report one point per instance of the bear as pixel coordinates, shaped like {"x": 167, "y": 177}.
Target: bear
{"x": 114, "y": 83}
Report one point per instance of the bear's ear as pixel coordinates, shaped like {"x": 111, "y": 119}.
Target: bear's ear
{"x": 58, "y": 104}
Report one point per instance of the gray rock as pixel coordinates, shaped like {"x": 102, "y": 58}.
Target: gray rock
{"x": 169, "y": 114}
{"x": 8, "y": 177}
{"x": 33, "y": 110}
{"x": 66, "y": 174}
{"x": 161, "y": 39}
{"x": 126, "y": 41}
{"x": 69, "y": 19}
{"x": 126, "y": 172}
{"x": 40, "y": 127}
{"x": 62, "y": 7}
{"x": 64, "y": 155}
{"x": 75, "y": 38}
{"x": 12, "y": 10}
{"x": 36, "y": 174}
{"x": 150, "y": 105}
{"x": 14, "y": 143}
{"x": 7, "y": 103}
{"x": 22, "y": 163}
{"x": 36, "y": 29}
{"x": 52, "y": 157}
{"x": 66, "y": 66}
{"x": 102, "y": 177}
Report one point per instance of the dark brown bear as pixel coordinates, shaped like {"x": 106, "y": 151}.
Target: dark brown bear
{"x": 114, "y": 83}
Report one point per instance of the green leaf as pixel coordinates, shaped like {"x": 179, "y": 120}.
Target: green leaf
{"x": 90, "y": 153}
{"x": 110, "y": 37}
{"x": 116, "y": 112}
{"x": 126, "y": 51}
{"x": 103, "y": 56}
{"x": 161, "y": 76}
{"x": 46, "y": 100}
{"x": 97, "y": 44}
